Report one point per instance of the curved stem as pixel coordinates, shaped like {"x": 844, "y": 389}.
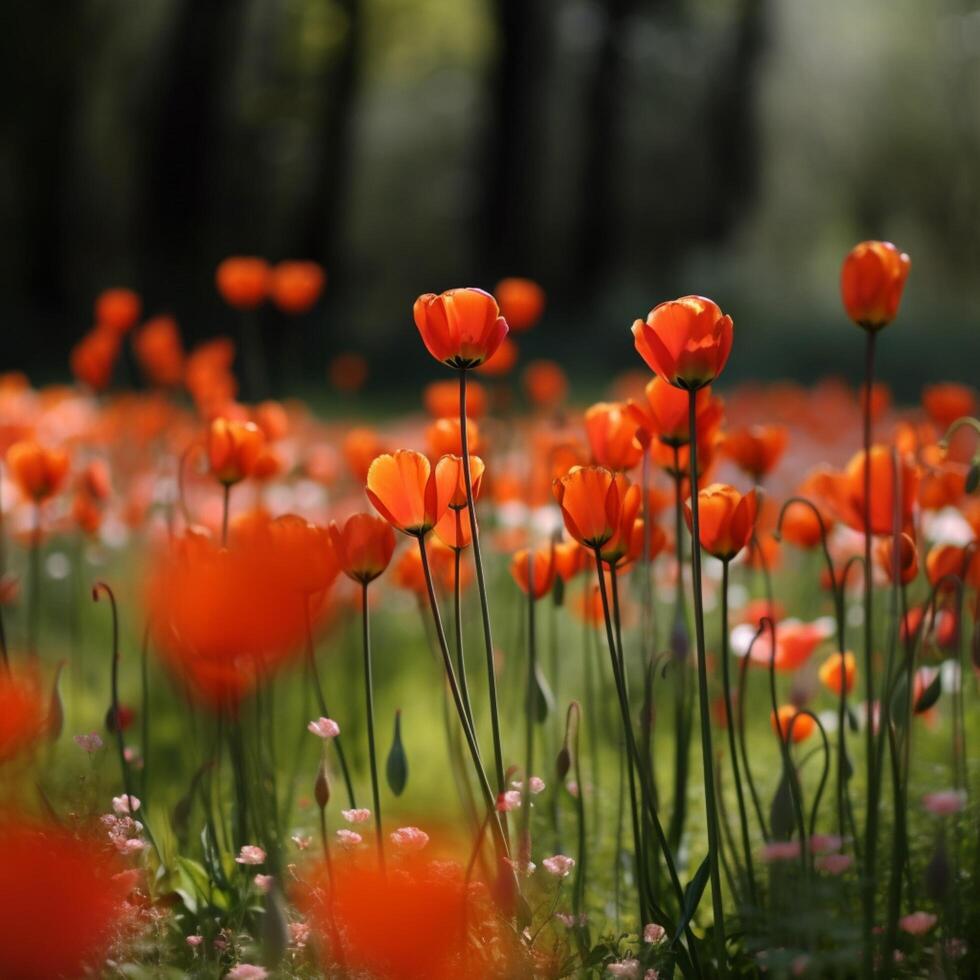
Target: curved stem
{"x": 498, "y": 755}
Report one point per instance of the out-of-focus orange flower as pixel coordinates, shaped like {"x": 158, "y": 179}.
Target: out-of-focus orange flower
{"x": 881, "y": 399}
{"x": 94, "y": 357}
{"x": 441, "y": 399}
{"x": 347, "y": 371}
{"x": 38, "y": 472}
{"x": 243, "y": 281}
{"x": 303, "y": 553}
{"x": 764, "y": 552}
{"x": 409, "y": 492}
{"x": 533, "y": 569}
{"x": 612, "y": 436}
{"x": 233, "y": 449}
{"x": 273, "y": 419}
{"x": 296, "y": 286}
{"x": 363, "y": 546}
{"x": 663, "y": 412}
{"x": 62, "y": 900}
{"x": 758, "y": 609}
{"x": 460, "y": 327}
{"x": 546, "y": 383}
{"x": 362, "y": 446}
{"x": 945, "y": 560}
{"x": 757, "y": 449}
{"x": 411, "y": 922}
{"x": 85, "y": 513}
{"x": 570, "y": 559}
{"x": 908, "y": 558}
{"x": 801, "y": 525}
{"x": 883, "y": 489}
{"x": 685, "y": 341}
{"x": 23, "y": 714}
{"x": 501, "y": 361}
{"x": 589, "y": 498}
{"x": 727, "y": 519}
{"x": 208, "y": 376}
{"x": 409, "y": 572}
{"x": 224, "y": 618}
{"x": 942, "y": 479}
{"x": 118, "y": 310}
{"x": 444, "y": 436}
{"x": 791, "y": 723}
{"x": 795, "y": 643}
{"x": 945, "y": 403}
{"x": 871, "y": 283}
{"x": 521, "y": 302}
{"x": 837, "y": 669}
{"x": 159, "y": 351}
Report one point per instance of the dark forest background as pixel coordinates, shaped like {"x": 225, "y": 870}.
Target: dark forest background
{"x": 619, "y": 151}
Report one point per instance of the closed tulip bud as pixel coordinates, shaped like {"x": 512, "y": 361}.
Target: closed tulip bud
{"x": 243, "y": 281}
{"x": 590, "y": 502}
{"x": 563, "y": 763}
{"x": 296, "y": 286}
{"x": 118, "y": 309}
{"x": 363, "y": 546}
{"x": 39, "y": 473}
{"x": 521, "y": 302}
{"x": 871, "y": 282}
{"x": 727, "y": 519}
{"x": 234, "y": 449}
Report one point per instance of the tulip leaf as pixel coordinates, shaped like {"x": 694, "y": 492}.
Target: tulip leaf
{"x": 692, "y": 897}
{"x": 396, "y": 769}
{"x": 781, "y": 813}
{"x": 930, "y": 695}
{"x": 544, "y": 700}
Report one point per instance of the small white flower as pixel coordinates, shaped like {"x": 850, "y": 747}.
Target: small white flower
{"x": 409, "y": 838}
{"x": 348, "y": 838}
{"x": 560, "y": 865}
{"x": 263, "y": 883}
{"x": 125, "y": 804}
{"x": 90, "y": 743}
{"x": 653, "y": 932}
{"x": 250, "y": 854}
{"x": 324, "y": 728}
{"x": 358, "y": 815}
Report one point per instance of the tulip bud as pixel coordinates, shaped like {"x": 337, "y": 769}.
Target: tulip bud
{"x": 56, "y": 711}
{"x": 563, "y": 763}
{"x": 937, "y": 873}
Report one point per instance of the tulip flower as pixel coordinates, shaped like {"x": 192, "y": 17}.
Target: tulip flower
{"x": 590, "y": 502}
{"x": 880, "y": 507}
{"x": 441, "y": 400}
{"x": 118, "y": 310}
{"x": 620, "y": 545}
{"x": 546, "y": 383}
{"x": 612, "y": 436}
{"x": 460, "y": 327}
{"x": 295, "y": 287}
{"x": 521, "y": 302}
{"x": 685, "y": 341}
{"x": 243, "y": 281}
{"x": 756, "y": 449}
{"x": 408, "y": 492}
{"x": 791, "y": 723}
{"x": 38, "y": 472}
{"x": 727, "y": 519}
{"x": 836, "y": 670}
{"x": 233, "y": 450}
{"x": 908, "y": 558}
{"x": 871, "y": 282}
{"x": 537, "y": 580}
{"x": 159, "y": 352}
{"x": 663, "y": 412}
{"x": 364, "y": 546}
{"x": 93, "y": 358}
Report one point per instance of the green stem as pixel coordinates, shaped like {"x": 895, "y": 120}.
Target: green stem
{"x": 498, "y": 755}
{"x": 706, "y": 751}
{"x": 369, "y": 699}
{"x": 458, "y": 625}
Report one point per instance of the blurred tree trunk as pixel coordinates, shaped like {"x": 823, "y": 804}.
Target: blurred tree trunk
{"x": 323, "y": 235}
{"x": 603, "y": 146}
{"x": 731, "y": 124}
{"x": 507, "y": 228}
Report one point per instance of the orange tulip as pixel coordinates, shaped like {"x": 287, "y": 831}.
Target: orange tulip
{"x": 534, "y": 570}
{"x": 801, "y": 526}
{"x": 727, "y": 519}
{"x": 908, "y": 558}
{"x": 361, "y": 447}
{"x": 451, "y": 474}
{"x": 757, "y": 449}
{"x": 408, "y": 492}
{"x": 296, "y": 286}
{"x": 39, "y": 473}
{"x": 441, "y": 399}
{"x": 243, "y": 281}
{"x": 234, "y": 449}
{"x": 685, "y": 341}
{"x": 618, "y": 546}
{"x": 612, "y": 436}
{"x": 947, "y": 402}
{"x": 93, "y": 358}
{"x": 943, "y": 561}
{"x": 364, "y": 546}
{"x": 795, "y": 643}
{"x": 871, "y": 283}
{"x": 453, "y": 529}
{"x": 444, "y": 436}
{"x": 347, "y": 371}
{"x": 159, "y": 352}
{"x": 460, "y": 327}
{"x": 570, "y": 559}
{"x": 882, "y": 491}
{"x": 838, "y": 668}
{"x": 272, "y": 419}
{"x": 409, "y": 573}
{"x": 589, "y": 498}
{"x": 546, "y": 383}
{"x": 303, "y": 554}
{"x": 521, "y": 302}
{"x": 663, "y": 413}
{"x": 23, "y": 714}
{"x": 501, "y": 361}
{"x": 789, "y": 722}
{"x": 118, "y": 310}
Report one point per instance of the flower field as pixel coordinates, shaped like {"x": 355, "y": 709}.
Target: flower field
{"x": 680, "y": 683}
